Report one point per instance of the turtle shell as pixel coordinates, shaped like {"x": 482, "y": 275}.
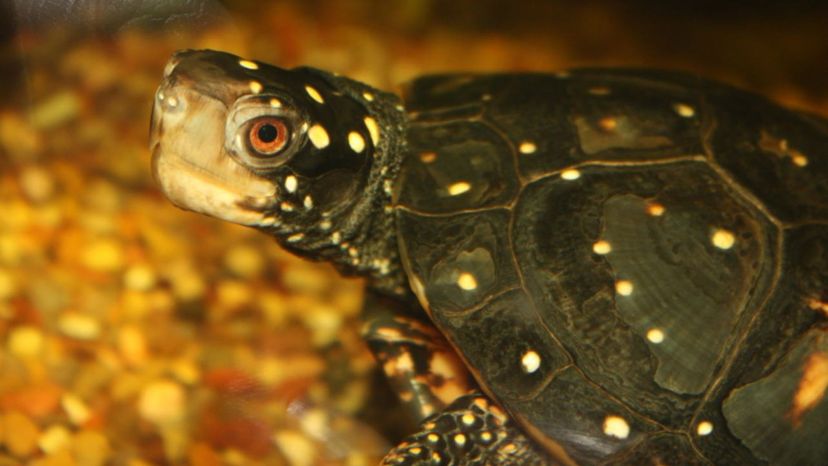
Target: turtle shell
{"x": 634, "y": 264}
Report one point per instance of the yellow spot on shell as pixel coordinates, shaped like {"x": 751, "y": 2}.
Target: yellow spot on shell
{"x": 318, "y": 136}
{"x": 704, "y": 428}
{"x": 616, "y": 426}
{"x": 428, "y": 157}
{"x": 570, "y": 174}
{"x": 467, "y": 419}
{"x": 356, "y": 142}
{"x": 314, "y": 94}
{"x": 799, "y": 160}
{"x": 255, "y": 87}
{"x": 433, "y": 438}
{"x": 466, "y": 281}
{"x": 368, "y": 96}
{"x": 248, "y": 64}
{"x": 373, "y": 129}
{"x": 655, "y": 209}
{"x": 655, "y": 335}
{"x": 527, "y": 147}
{"x": 291, "y": 183}
{"x": 459, "y": 188}
{"x": 812, "y": 386}
{"x": 624, "y": 287}
{"x": 608, "y": 123}
{"x": 684, "y": 110}
{"x": 601, "y": 247}
{"x": 723, "y": 239}
{"x": 530, "y": 361}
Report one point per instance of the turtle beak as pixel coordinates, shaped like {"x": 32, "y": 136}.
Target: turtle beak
{"x": 189, "y": 159}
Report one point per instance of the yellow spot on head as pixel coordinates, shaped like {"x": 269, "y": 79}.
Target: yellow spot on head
{"x": 723, "y": 239}
{"x": 684, "y": 110}
{"x": 314, "y": 94}
{"x": 275, "y": 103}
{"x": 255, "y": 87}
{"x": 295, "y": 238}
{"x": 570, "y": 174}
{"x": 486, "y": 437}
{"x": 318, "y": 136}
{"x": 624, "y": 287}
{"x": 466, "y": 281}
{"x": 428, "y": 157}
{"x": 608, "y": 123}
{"x": 818, "y": 305}
{"x": 616, "y": 426}
{"x": 356, "y": 141}
{"x": 811, "y": 388}
{"x": 368, "y": 96}
{"x": 508, "y": 449}
{"x": 467, "y": 419}
{"x": 459, "y": 440}
{"x": 248, "y": 64}
{"x": 527, "y": 147}
{"x": 291, "y": 183}
{"x": 530, "y": 361}
{"x": 415, "y": 450}
{"x": 601, "y": 247}
{"x": 655, "y": 335}
{"x": 704, "y": 428}
{"x": 655, "y": 209}
{"x": 373, "y": 129}
{"x": 433, "y": 438}
{"x": 799, "y": 160}
{"x": 436, "y": 457}
{"x": 459, "y": 188}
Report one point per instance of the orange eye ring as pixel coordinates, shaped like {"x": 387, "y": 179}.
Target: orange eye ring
{"x": 268, "y": 135}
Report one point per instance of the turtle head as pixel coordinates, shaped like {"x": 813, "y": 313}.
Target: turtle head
{"x": 302, "y": 154}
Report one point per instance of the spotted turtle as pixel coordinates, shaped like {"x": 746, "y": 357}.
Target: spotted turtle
{"x": 602, "y": 266}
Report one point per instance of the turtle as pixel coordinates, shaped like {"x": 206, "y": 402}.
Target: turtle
{"x": 596, "y": 266}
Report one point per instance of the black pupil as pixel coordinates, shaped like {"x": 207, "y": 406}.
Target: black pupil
{"x": 268, "y": 133}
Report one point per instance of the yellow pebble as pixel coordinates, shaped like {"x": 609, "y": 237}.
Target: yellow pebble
{"x": 103, "y": 255}
{"x": 162, "y": 402}
{"x": 90, "y": 448}
{"x": 21, "y": 434}
{"x": 25, "y": 341}
{"x": 75, "y": 408}
{"x": 54, "y": 439}
{"x": 79, "y": 326}
{"x": 140, "y": 277}
{"x": 244, "y": 261}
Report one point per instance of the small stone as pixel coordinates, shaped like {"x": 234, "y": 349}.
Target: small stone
{"x": 54, "y": 439}
{"x": 162, "y": 402}
{"x": 203, "y": 455}
{"x": 21, "y": 434}
{"x": 37, "y": 183}
{"x": 233, "y": 294}
{"x": 244, "y": 261}
{"x": 188, "y": 285}
{"x": 132, "y": 345}
{"x": 25, "y": 341}
{"x": 297, "y": 448}
{"x": 140, "y": 277}
{"x": 55, "y": 110}
{"x": 91, "y": 448}
{"x": 75, "y": 408}
{"x": 79, "y": 326}
{"x": 103, "y": 255}
{"x": 8, "y": 285}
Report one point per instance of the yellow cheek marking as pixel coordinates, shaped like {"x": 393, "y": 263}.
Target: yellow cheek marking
{"x": 655, "y": 209}
{"x": 684, "y": 110}
{"x": 318, "y": 136}
{"x": 314, "y": 94}
{"x": 655, "y": 335}
{"x": 601, "y": 247}
{"x": 527, "y": 147}
{"x": 570, "y": 174}
{"x": 373, "y": 129}
{"x": 356, "y": 142}
{"x": 255, "y": 87}
{"x": 624, "y": 287}
{"x": 812, "y": 386}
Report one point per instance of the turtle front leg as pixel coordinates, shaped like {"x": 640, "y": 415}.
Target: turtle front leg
{"x": 421, "y": 366}
{"x": 472, "y": 431}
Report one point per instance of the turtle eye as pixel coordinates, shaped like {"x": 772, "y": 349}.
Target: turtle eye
{"x": 267, "y": 136}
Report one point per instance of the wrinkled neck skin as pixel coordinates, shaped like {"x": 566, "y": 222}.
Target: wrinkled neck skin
{"x": 366, "y": 243}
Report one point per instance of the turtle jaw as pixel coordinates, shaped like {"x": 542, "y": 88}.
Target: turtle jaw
{"x": 192, "y": 166}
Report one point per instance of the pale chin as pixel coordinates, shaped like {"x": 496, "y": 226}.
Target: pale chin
{"x": 191, "y": 188}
